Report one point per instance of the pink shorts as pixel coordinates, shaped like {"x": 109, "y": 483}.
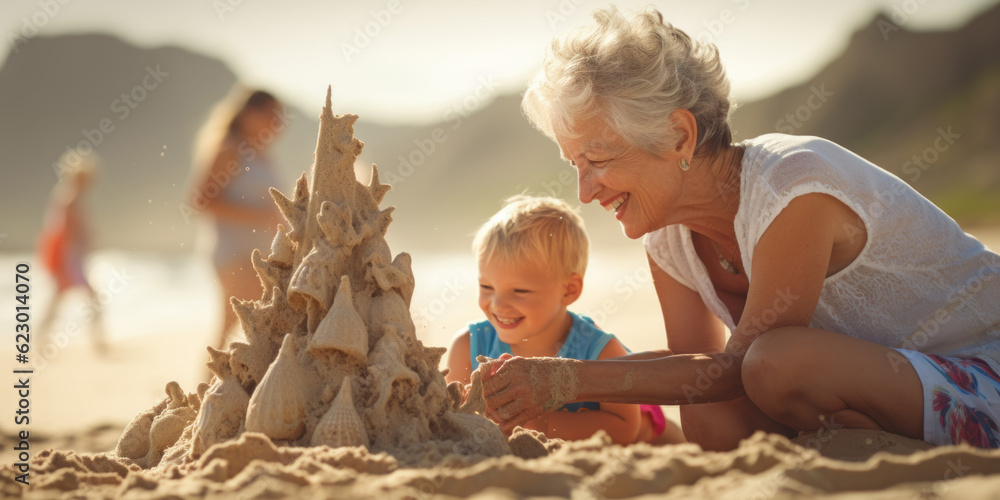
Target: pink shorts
{"x": 656, "y": 415}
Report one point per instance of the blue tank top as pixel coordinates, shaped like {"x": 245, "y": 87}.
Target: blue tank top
{"x": 585, "y": 341}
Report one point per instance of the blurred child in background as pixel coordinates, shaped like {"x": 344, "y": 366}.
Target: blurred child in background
{"x": 65, "y": 242}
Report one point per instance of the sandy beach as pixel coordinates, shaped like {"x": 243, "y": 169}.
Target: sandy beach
{"x": 764, "y": 466}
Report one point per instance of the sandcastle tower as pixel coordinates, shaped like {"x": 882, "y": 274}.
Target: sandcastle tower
{"x": 331, "y": 356}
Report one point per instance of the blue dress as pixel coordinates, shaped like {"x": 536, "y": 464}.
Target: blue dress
{"x": 585, "y": 341}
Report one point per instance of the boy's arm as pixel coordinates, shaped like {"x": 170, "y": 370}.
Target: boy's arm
{"x": 459, "y": 362}
{"x": 620, "y": 421}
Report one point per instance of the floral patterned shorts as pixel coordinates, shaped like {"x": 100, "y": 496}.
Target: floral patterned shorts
{"x": 961, "y": 399}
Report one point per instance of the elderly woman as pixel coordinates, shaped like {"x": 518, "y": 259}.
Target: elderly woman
{"x": 852, "y": 301}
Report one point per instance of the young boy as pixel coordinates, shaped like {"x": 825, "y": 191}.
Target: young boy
{"x": 532, "y": 256}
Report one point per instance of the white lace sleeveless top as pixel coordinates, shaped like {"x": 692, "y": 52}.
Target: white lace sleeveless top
{"x": 920, "y": 283}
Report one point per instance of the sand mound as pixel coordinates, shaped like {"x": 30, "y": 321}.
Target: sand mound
{"x": 764, "y": 466}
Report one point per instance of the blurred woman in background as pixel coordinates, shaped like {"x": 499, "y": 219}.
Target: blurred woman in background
{"x": 232, "y": 173}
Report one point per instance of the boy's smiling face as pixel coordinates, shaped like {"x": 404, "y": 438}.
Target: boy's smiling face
{"x": 526, "y": 302}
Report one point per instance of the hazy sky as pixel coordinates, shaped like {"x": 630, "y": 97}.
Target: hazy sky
{"x": 421, "y": 58}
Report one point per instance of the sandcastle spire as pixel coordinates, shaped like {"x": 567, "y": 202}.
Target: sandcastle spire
{"x": 332, "y": 177}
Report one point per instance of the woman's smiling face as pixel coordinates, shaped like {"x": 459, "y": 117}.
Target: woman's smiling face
{"x": 641, "y": 189}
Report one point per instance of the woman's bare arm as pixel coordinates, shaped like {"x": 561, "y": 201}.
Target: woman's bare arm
{"x": 790, "y": 263}
{"x": 620, "y": 421}
{"x": 784, "y": 292}
{"x": 690, "y": 326}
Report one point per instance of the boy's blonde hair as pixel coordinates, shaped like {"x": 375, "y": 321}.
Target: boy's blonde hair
{"x": 543, "y": 229}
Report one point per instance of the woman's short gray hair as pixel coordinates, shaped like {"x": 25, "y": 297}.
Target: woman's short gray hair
{"x": 635, "y": 72}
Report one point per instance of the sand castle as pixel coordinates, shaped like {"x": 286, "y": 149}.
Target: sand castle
{"x": 331, "y": 357}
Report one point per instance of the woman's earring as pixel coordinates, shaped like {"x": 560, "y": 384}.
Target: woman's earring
{"x": 685, "y": 165}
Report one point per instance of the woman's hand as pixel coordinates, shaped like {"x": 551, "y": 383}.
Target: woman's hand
{"x": 511, "y": 399}
{"x": 518, "y": 390}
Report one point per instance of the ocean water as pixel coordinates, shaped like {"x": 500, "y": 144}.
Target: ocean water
{"x": 137, "y": 293}
{"x": 142, "y": 293}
